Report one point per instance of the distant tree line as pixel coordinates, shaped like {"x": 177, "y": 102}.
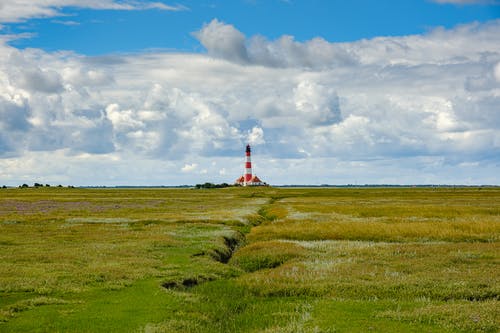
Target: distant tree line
{"x": 38, "y": 185}
{"x": 212, "y": 185}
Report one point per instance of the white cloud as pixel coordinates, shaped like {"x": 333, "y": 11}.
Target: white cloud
{"x": 439, "y": 46}
{"x": 46, "y": 81}
{"x": 122, "y": 120}
{"x": 20, "y": 10}
{"x": 66, "y": 22}
{"x": 162, "y": 6}
{"x": 402, "y": 108}
{"x": 316, "y": 104}
{"x": 189, "y": 167}
{"x": 223, "y": 40}
{"x": 256, "y": 136}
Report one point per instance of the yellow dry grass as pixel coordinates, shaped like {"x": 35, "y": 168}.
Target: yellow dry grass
{"x": 379, "y": 231}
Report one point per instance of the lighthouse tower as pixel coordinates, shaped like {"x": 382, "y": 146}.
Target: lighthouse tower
{"x": 248, "y": 166}
{"x": 248, "y": 179}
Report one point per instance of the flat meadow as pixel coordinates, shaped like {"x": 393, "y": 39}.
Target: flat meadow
{"x": 250, "y": 260}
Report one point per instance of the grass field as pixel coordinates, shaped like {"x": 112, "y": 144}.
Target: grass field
{"x": 250, "y": 260}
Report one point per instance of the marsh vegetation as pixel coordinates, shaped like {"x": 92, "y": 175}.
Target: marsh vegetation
{"x": 250, "y": 260}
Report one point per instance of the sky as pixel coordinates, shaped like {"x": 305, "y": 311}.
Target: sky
{"x": 108, "y": 92}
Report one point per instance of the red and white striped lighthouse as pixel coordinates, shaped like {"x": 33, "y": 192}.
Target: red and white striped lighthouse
{"x": 248, "y": 165}
{"x": 248, "y": 179}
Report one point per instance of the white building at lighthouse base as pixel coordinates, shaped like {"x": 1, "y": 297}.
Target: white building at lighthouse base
{"x": 254, "y": 181}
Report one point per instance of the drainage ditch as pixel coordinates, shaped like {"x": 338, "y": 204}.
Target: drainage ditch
{"x": 224, "y": 253}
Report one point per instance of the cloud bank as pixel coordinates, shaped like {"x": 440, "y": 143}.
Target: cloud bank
{"x": 412, "y": 109}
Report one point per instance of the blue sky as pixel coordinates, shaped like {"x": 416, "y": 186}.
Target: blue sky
{"x": 93, "y": 32}
{"x": 127, "y": 92}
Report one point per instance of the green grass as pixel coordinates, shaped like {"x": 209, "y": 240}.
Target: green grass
{"x": 250, "y": 260}
{"x": 98, "y": 310}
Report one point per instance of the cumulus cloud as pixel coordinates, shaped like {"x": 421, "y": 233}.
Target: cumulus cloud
{"x": 48, "y": 81}
{"x": 256, "y": 136}
{"x": 439, "y": 46}
{"x": 412, "y": 106}
{"x": 14, "y": 122}
{"x": 223, "y": 40}
{"x": 316, "y": 104}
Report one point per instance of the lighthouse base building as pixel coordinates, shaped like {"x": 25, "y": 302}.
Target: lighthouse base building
{"x": 248, "y": 179}
{"x": 254, "y": 181}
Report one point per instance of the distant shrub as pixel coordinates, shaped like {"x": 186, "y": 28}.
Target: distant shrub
{"x": 211, "y": 185}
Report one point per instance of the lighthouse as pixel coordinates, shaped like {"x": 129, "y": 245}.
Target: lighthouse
{"x": 249, "y": 179}
{"x": 248, "y": 165}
